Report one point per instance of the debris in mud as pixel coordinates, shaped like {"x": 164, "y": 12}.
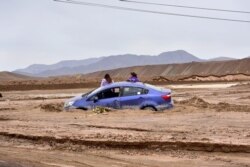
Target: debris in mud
{"x": 1, "y": 95}
{"x": 222, "y": 106}
{"x": 38, "y": 98}
{"x": 230, "y": 107}
{"x": 54, "y": 107}
{"x": 195, "y": 101}
{"x": 100, "y": 110}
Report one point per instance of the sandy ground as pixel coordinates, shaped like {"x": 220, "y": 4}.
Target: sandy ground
{"x": 209, "y": 126}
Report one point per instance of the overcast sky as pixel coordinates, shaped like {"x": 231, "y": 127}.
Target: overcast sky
{"x": 45, "y": 32}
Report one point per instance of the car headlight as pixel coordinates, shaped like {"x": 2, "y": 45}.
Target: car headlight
{"x": 68, "y": 104}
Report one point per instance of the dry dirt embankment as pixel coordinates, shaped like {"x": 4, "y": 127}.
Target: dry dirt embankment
{"x": 180, "y": 71}
{"x": 38, "y": 86}
{"x": 228, "y": 77}
{"x": 235, "y": 70}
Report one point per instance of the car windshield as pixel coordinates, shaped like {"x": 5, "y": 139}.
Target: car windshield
{"x": 86, "y": 94}
{"x": 154, "y": 87}
{"x": 92, "y": 92}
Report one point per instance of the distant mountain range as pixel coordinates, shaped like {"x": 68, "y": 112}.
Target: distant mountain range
{"x": 228, "y": 70}
{"x": 85, "y": 66}
{"x": 9, "y": 76}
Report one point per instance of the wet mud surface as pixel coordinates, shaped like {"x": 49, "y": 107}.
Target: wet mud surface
{"x": 209, "y": 126}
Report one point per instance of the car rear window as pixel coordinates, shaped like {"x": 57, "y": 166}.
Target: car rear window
{"x": 133, "y": 91}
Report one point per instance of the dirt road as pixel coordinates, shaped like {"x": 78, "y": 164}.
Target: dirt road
{"x": 209, "y": 126}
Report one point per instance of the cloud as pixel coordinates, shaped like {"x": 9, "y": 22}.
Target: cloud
{"x": 35, "y": 31}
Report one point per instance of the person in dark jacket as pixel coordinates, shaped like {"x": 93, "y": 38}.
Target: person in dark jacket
{"x": 133, "y": 77}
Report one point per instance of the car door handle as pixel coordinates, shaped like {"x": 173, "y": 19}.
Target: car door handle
{"x": 140, "y": 98}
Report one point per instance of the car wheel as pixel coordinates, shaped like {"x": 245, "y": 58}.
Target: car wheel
{"x": 150, "y": 108}
{"x": 82, "y": 108}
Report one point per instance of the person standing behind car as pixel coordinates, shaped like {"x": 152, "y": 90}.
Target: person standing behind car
{"x": 106, "y": 80}
{"x": 133, "y": 77}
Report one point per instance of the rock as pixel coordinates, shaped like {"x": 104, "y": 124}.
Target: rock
{"x": 1, "y": 95}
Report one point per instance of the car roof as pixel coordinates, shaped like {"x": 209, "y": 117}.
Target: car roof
{"x": 125, "y": 83}
{"x": 117, "y": 84}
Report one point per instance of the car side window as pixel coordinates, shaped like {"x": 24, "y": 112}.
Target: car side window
{"x": 133, "y": 91}
{"x": 107, "y": 93}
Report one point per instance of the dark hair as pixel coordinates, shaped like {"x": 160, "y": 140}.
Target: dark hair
{"x": 108, "y": 78}
{"x": 133, "y": 74}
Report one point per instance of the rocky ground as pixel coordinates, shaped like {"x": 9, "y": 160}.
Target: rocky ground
{"x": 209, "y": 126}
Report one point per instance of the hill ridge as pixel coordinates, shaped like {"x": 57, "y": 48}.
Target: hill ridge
{"x": 106, "y": 63}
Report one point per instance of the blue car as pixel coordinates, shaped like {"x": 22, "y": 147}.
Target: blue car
{"x": 123, "y": 95}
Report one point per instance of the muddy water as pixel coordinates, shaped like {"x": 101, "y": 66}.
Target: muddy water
{"x": 208, "y": 127}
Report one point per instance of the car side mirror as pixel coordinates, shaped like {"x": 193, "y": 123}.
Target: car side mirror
{"x": 96, "y": 99}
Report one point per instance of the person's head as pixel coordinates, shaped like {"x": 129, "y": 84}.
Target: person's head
{"x": 133, "y": 74}
{"x": 108, "y": 78}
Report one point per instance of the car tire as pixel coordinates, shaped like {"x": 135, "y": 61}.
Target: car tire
{"x": 82, "y": 108}
{"x": 150, "y": 108}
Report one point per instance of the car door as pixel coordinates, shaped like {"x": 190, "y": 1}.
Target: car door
{"x": 132, "y": 97}
{"x": 107, "y": 98}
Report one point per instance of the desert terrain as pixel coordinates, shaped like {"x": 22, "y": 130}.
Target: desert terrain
{"x": 209, "y": 126}
{"x": 208, "y": 71}
{"x": 52, "y": 51}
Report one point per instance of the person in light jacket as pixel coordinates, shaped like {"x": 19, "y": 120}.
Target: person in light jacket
{"x": 106, "y": 80}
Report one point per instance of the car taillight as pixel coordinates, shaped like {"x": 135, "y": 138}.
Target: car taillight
{"x": 166, "y": 97}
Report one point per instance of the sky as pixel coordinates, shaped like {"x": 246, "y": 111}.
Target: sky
{"x": 46, "y": 32}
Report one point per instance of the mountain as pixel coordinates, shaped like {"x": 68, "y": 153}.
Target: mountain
{"x": 232, "y": 70}
{"x": 175, "y": 71}
{"x": 107, "y": 63}
{"x": 221, "y": 59}
{"x": 35, "y": 69}
{"x": 9, "y": 76}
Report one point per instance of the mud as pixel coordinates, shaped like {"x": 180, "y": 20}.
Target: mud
{"x": 209, "y": 126}
{"x": 195, "y": 101}
{"x": 7, "y": 109}
{"x": 145, "y": 145}
{"x": 221, "y": 106}
{"x": 4, "y": 119}
{"x": 54, "y": 107}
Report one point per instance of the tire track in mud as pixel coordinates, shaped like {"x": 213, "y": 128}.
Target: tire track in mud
{"x": 139, "y": 145}
{"x": 5, "y": 119}
{"x": 115, "y": 128}
{"x": 126, "y": 128}
{"x": 41, "y": 98}
{"x": 7, "y": 109}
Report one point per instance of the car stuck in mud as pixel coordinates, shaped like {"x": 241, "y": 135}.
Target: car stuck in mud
{"x": 123, "y": 95}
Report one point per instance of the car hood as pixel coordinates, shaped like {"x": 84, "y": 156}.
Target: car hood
{"x": 78, "y": 97}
